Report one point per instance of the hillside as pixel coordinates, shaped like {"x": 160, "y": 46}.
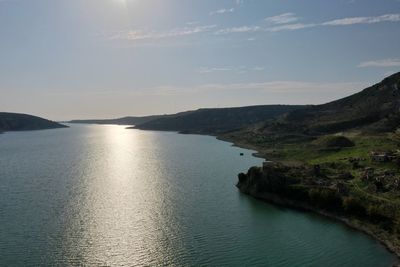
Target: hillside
{"x": 216, "y": 120}
{"x": 120, "y": 121}
{"x": 339, "y": 159}
{"x": 24, "y": 122}
{"x": 374, "y": 110}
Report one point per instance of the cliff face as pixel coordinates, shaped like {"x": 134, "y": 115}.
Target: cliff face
{"x": 272, "y": 178}
{"x": 312, "y": 188}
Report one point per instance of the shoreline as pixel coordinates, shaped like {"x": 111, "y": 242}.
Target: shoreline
{"x": 287, "y": 203}
{"x": 388, "y": 245}
{"x": 277, "y": 200}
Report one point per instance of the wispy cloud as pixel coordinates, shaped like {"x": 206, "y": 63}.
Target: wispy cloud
{"x": 383, "y": 63}
{"x": 279, "y": 89}
{"x": 136, "y": 35}
{"x": 236, "y": 69}
{"x": 282, "y": 19}
{"x": 222, "y": 11}
{"x": 363, "y": 20}
{"x": 240, "y": 29}
{"x": 289, "y": 27}
{"x": 213, "y": 69}
{"x": 284, "y": 22}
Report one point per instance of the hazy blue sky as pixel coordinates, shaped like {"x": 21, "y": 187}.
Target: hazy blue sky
{"x": 65, "y": 59}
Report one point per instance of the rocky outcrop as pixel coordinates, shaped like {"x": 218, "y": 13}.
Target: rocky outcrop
{"x": 272, "y": 177}
{"x": 306, "y": 188}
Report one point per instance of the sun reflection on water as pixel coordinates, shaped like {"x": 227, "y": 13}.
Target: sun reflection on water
{"x": 123, "y": 204}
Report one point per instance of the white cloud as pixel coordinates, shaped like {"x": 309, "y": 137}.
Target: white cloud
{"x": 204, "y": 70}
{"x": 391, "y": 62}
{"x": 322, "y": 91}
{"x": 240, "y": 29}
{"x": 235, "y": 69}
{"x": 282, "y": 19}
{"x": 363, "y": 20}
{"x": 290, "y": 27}
{"x": 136, "y": 35}
{"x": 222, "y": 11}
{"x": 282, "y": 23}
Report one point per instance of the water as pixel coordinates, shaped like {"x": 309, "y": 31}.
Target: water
{"x": 106, "y": 196}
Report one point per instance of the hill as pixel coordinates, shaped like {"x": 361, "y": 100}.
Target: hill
{"x": 216, "y": 120}
{"x": 339, "y": 159}
{"x": 24, "y": 122}
{"x": 374, "y": 110}
{"x": 120, "y": 121}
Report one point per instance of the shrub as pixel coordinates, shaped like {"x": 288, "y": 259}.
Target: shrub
{"x": 339, "y": 141}
{"x": 353, "y": 206}
{"x": 324, "y": 198}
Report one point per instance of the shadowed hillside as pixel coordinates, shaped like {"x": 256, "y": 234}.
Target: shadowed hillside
{"x": 373, "y": 110}
{"x": 214, "y": 121}
{"x": 24, "y": 122}
{"x": 120, "y": 121}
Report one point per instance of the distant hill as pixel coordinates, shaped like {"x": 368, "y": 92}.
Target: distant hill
{"x": 374, "y": 110}
{"x": 120, "y": 121}
{"x": 216, "y": 120}
{"x": 24, "y": 122}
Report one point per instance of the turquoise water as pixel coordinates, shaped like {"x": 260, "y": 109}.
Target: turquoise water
{"x": 106, "y": 196}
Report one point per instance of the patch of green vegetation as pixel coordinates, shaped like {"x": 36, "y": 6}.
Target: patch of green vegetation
{"x": 313, "y": 154}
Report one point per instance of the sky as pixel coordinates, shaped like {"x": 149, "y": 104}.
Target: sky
{"x": 75, "y": 59}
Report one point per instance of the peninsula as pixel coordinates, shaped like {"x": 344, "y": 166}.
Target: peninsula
{"x": 25, "y": 122}
{"x": 340, "y": 159}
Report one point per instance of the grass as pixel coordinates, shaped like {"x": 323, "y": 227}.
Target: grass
{"x": 315, "y": 154}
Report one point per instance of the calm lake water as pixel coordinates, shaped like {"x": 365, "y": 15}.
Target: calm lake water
{"x": 106, "y": 196}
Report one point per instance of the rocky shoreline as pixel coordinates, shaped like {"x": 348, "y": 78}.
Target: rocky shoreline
{"x": 266, "y": 184}
{"x": 287, "y": 203}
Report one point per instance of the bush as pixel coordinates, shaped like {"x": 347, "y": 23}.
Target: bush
{"x": 353, "y": 206}
{"x": 330, "y": 142}
{"x": 382, "y": 215}
{"x": 339, "y": 141}
{"x": 324, "y": 198}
